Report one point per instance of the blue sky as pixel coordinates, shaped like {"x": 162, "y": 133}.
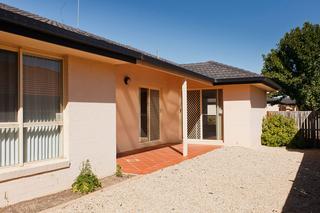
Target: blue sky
{"x": 232, "y": 32}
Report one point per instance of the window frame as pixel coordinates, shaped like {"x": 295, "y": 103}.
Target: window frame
{"x": 20, "y": 124}
{"x": 142, "y": 139}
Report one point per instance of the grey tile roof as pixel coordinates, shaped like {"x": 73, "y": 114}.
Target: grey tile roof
{"x": 77, "y": 31}
{"x": 217, "y": 70}
{"x": 33, "y": 21}
{"x": 39, "y": 27}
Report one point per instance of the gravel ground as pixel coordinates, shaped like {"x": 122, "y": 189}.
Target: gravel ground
{"x": 230, "y": 179}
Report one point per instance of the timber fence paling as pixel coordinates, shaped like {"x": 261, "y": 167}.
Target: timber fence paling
{"x": 308, "y": 123}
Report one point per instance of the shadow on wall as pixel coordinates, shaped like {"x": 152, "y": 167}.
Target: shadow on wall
{"x": 258, "y": 98}
{"x": 304, "y": 195}
{"x": 126, "y": 114}
{"x": 90, "y": 83}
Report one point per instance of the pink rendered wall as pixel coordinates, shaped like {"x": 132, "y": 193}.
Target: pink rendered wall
{"x": 127, "y": 98}
{"x": 244, "y": 108}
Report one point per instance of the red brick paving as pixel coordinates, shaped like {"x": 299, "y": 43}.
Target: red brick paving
{"x": 151, "y": 159}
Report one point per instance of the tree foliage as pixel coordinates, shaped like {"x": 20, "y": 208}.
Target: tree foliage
{"x": 295, "y": 65}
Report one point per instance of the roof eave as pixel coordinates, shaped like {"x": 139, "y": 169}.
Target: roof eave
{"x": 32, "y": 28}
{"x": 29, "y": 27}
{"x": 248, "y": 80}
{"x": 25, "y": 26}
{"x": 175, "y": 68}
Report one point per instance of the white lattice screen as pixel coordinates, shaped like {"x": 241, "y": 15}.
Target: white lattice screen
{"x": 194, "y": 114}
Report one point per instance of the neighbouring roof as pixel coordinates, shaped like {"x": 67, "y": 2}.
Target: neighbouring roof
{"x": 284, "y": 100}
{"x": 23, "y": 23}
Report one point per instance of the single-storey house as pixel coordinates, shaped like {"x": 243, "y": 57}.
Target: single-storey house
{"x": 67, "y": 95}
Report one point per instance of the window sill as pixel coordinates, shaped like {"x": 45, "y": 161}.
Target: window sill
{"x": 33, "y": 168}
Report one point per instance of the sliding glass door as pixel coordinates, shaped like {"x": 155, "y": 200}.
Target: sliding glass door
{"x": 205, "y": 114}
{"x": 149, "y": 114}
{"x": 212, "y": 114}
{"x": 209, "y": 114}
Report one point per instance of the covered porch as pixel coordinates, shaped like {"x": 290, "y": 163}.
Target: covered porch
{"x": 202, "y": 114}
{"x": 154, "y": 158}
{"x": 156, "y": 107}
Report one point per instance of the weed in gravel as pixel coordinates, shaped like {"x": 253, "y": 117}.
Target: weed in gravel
{"x": 87, "y": 181}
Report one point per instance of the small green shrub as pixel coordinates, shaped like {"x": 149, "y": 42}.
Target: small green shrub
{"x": 86, "y": 182}
{"x": 119, "y": 171}
{"x": 278, "y": 130}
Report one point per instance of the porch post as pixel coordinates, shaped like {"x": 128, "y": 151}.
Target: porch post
{"x": 184, "y": 118}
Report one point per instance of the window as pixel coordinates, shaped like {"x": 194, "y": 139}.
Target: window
{"x": 149, "y": 114}
{"x": 8, "y": 108}
{"x": 8, "y": 86}
{"x": 41, "y": 108}
{"x": 35, "y": 133}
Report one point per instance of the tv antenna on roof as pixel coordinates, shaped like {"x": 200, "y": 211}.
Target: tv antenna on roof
{"x": 78, "y": 13}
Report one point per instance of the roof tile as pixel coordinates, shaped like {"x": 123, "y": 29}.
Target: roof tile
{"x": 210, "y": 70}
{"x": 217, "y": 70}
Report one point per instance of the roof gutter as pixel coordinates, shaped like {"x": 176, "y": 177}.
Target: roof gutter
{"x": 32, "y": 28}
{"x": 59, "y": 34}
{"x": 248, "y": 80}
{"x": 25, "y": 26}
{"x": 28, "y": 27}
{"x": 175, "y": 68}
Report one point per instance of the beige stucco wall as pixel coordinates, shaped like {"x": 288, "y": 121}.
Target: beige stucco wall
{"x": 236, "y": 113}
{"x": 258, "y": 100}
{"x": 89, "y": 132}
{"x": 127, "y": 97}
{"x": 244, "y": 109}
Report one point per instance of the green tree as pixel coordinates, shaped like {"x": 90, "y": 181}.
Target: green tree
{"x": 295, "y": 65}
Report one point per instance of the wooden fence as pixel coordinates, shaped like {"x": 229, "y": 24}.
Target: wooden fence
{"x": 308, "y": 123}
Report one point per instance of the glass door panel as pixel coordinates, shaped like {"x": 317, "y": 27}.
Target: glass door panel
{"x": 154, "y": 115}
{"x": 149, "y": 114}
{"x": 144, "y": 130}
{"x": 209, "y": 114}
